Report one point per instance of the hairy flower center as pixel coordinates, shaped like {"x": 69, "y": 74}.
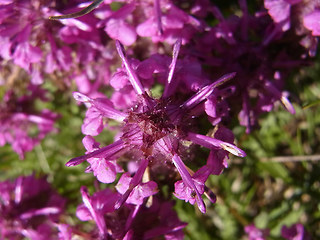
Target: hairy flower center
{"x": 145, "y": 128}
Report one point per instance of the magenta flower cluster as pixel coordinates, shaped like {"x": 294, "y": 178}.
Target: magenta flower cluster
{"x": 294, "y": 232}
{"x": 22, "y": 125}
{"x": 29, "y": 208}
{"x": 233, "y": 68}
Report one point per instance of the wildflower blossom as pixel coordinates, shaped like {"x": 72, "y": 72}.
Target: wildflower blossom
{"x": 104, "y": 170}
{"x": 161, "y": 20}
{"x": 155, "y": 132}
{"x": 53, "y": 50}
{"x": 238, "y": 44}
{"x": 29, "y": 208}
{"x": 155, "y": 150}
{"x": 21, "y": 125}
{"x": 21, "y": 27}
{"x": 301, "y": 16}
{"x": 295, "y": 232}
{"x": 118, "y": 24}
{"x": 129, "y": 222}
{"x": 255, "y": 233}
{"x": 166, "y": 22}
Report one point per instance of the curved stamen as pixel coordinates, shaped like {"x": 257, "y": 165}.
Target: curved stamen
{"x": 133, "y": 78}
{"x": 158, "y": 14}
{"x": 105, "y": 109}
{"x": 205, "y": 92}
{"x": 169, "y": 88}
{"x": 187, "y": 179}
{"x": 18, "y": 191}
{"x": 209, "y": 142}
{"x": 105, "y": 152}
{"x": 82, "y": 12}
{"x": 97, "y": 216}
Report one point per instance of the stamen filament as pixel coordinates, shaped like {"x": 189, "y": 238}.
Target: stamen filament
{"x": 169, "y": 88}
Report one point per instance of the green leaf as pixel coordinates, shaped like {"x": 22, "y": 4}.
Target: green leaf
{"x": 275, "y": 169}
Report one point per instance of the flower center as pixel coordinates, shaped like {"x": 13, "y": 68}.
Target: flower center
{"x": 144, "y": 128}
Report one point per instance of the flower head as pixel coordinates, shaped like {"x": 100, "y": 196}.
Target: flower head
{"x": 129, "y": 222}
{"x": 156, "y": 134}
{"x": 295, "y": 232}
{"x": 29, "y": 208}
{"x": 260, "y": 56}
{"x": 255, "y": 233}
{"x": 20, "y": 124}
{"x": 47, "y": 49}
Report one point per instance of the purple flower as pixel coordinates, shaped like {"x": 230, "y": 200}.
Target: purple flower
{"x": 166, "y": 22}
{"x": 312, "y": 22}
{"x": 301, "y": 16}
{"x": 155, "y": 133}
{"x": 65, "y": 231}
{"x": 48, "y": 49}
{"x": 105, "y": 171}
{"x": 25, "y": 55}
{"x": 248, "y": 46}
{"x": 29, "y": 208}
{"x": 18, "y": 120}
{"x": 116, "y": 25}
{"x": 255, "y": 233}
{"x": 95, "y": 207}
{"x": 98, "y": 108}
{"x": 129, "y": 222}
{"x": 114, "y": 22}
{"x": 132, "y": 189}
{"x": 295, "y": 232}
{"x": 18, "y": 28}
{"x": 279, "y": 10}
{"x": 158, "y": 220}
{"x": 191, "y": 191}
